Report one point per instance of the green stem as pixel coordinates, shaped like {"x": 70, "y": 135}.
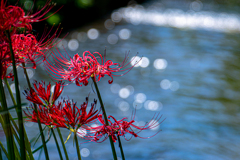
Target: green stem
{"x": 17, "y": 155}
{"x": 16, "y": 137}
{"x": 77, "y": 147}
{"x": 121, "y": 149}
{"x": 40, "y": 147}
{"x": 10, "y": 91}
{"x": 42, "y": 135}
{"x": 63, "y": 145}
{"x": 1, "y": 154}
{"x": 7, "y": 126}
{"x": 39, "y": 124}
{"x": 26, "y": 74}
{"x": 105, "y": 118}
{"x": 58, "y": 148}
{"x": 19, "y": 107}
{"x": 27, "y": 144}
{"x": 4, "y": 150}
{"x": 13, "y": 131}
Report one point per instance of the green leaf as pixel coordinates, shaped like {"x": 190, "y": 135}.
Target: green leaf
{"x": 12, "y": 107}
{"x": 42, "y": 145}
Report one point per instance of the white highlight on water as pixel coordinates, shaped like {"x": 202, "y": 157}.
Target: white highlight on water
{"x": 195, "y": 18}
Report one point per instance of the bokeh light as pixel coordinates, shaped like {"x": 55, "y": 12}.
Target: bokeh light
{"x": 85, "y": 152}
{"x": 28, "y": 5}
{"x": 137, "y": 105}
{"x": 124, "y": 93}
{"x": 124, "y": 34}
{"x": 155, "y": 124}
{"x": 28, "y": 124}
{"x": 140, "y": 97}
{"x": 109, "y": 24}
{"x": 115, "y": 88}
{"x": 130, "y": 88}
{"x": 116, "y": 16}
{"x": 73, "y": 45}
{"x": 196, "y": 5}
{"x": 93, "y": 33}
{"x": 52, "y": 88}
{"x": 174, "y": 86}
{"x": 144, "y": 62}
{"x": 81, "y": 132}
{"x": 62, "y": 44}
{"x": 153, "y": 105}
{"x": 112, "y": 39}
{"x": 123, "y": 106}
{"x": 136, "y": 61}
{"x": 82, "y": 36}
{"x": 30, "y": 73}
{"x": 160, "y": 64}
{"x": 165, "y": 84}
{"x": 12, "y": 87}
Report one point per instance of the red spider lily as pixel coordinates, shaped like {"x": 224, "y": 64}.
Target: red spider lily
{"x": 44, "y": 115}
{"x": 27, "y": 49}
{"x": 65, "y": 114}
{"x": 77, "y": 117}
{"x": 10, "y": 17}
{"x": 5, "y": 60}
{"x": 42, "y": 95}
{"x": 80, "y": 69}
{"x": 121, "y": 128}
{"x": 13, "y": 17}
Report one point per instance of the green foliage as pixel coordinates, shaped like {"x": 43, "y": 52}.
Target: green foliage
{"x": 84, "y": 3}
{"x": 54, "y": 19}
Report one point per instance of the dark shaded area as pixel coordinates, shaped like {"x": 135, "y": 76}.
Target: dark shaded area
{"x": 76, "y": 13}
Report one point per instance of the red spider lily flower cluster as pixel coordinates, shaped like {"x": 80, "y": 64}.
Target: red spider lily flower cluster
{"x": 14, "y": 17}
{"x": 5, "y": 60}
{"x": 64, "y": 114}
{"x": 79, "y": 69}
{"x": 26, "y": 48}
{"x": 121, "y": 128}
{"x": 42, "y": 94}
{"x": 30, "y": 51}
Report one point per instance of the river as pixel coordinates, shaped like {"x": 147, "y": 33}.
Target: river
{"x": 190, "y": 73}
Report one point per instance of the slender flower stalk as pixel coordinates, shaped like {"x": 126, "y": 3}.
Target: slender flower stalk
{"x": 106, "y": 120}
{"x": 77, "y": 147}
{"x": 63, "y": 114}
{"x": 7, "y": 128}
{"x": 1, "y": 154}
{"x": 4, "y": 150}
{"x": 19, "y": 107}
{"x": 27, "y": 51}
{"x": 63, "y": 145}
{"x": 66, "y": 115}
{"x": 26, "y": 48}
{"x": 14, "y": 123}
{"x": 121, "y": 148}
{"x": 38, "y": 120}
{"x": 10, "y": 91}
{"x": 56, "y": 141}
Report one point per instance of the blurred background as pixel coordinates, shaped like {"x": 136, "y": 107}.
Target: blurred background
{"x": 189, "y": 72}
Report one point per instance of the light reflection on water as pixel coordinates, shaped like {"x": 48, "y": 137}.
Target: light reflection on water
{"x": 190, "y": 75}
